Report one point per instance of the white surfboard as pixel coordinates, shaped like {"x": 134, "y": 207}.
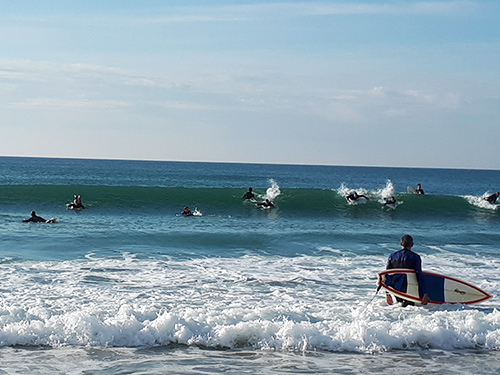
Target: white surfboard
{"x": 360, "y": 200}
{"x": 441, "y": 289}
{"x": 411, "y": 190}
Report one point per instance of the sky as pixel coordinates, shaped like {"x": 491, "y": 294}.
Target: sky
{"x": 370, "y": 83}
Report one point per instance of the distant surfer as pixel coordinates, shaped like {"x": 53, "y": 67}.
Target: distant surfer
{"x": 186, "y": 212}
{"x": 266, "y": 204}
{"x": 390, "y": 201}
{"x": 492, "y": 198}
{"x": 249, "y": 194}
{"x": 419, "y": 190}
{"x": 354, "y": 196}
{"x": 77, "y": 202}
{"x": 34, "y": 218}
{"x": 406, "y": 258}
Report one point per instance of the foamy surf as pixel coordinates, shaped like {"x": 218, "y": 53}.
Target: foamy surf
{"x": 297, "y": 304}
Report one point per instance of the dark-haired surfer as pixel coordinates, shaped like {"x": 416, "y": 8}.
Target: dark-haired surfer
{"x": 266, "y": 204}
{"x": 419, "y": 190}
{"x": 406, "y": 258}
{"x": 492, "y": 198}
{"x": 354, "y": 196}
{"x": 186, "y": 212}
{"x": 249, "y": 194}
{"x": 34, "y": 218}
{"x": 390, "y": 201}
{"x": 77, "y": 202}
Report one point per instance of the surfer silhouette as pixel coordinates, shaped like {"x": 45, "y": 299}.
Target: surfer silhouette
{"x": 419, "y": 189}
{"x": 390, "y": 201}
{"x": 77, "y": 202}
{"x": 34, "y": 218}
{"x": 492, "y": 198}
{"x": 249, "y": 194}
{"x": 186, "y": 212}
{"x": 354, "y": 196}
{"x": 266, "y": 204}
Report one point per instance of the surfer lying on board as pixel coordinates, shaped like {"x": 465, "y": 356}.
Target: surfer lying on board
{"x": 34, "y": 218}
{"x": 77, "y": 202}
{"x": 186, "y": 212}
{"x": 492, "y": 198}
{"x": 266, "y": 204}
{"x": 390, "y": 201}
{"x": 419, "y": 190}
{"x": 354, "y": 196}
{"x": 406, "y": 258}
{"x": 249, "y": 194}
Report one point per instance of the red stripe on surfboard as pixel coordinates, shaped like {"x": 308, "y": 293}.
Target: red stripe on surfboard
{"x": 415, "y": 299}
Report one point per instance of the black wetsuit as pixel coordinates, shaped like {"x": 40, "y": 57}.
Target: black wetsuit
{"x": 35, "y": 219}
{"x": 406, "y": 258}
{"x": 249, "y": 195}
{"x": 492, "y": 198}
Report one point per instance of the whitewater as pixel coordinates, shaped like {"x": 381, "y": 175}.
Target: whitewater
{"x": 128, "y": 285}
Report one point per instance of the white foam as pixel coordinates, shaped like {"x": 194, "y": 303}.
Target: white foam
{"x": 273, "y": 191}
{"x": 301, "y": 303}
{"x": 480, "y": 202}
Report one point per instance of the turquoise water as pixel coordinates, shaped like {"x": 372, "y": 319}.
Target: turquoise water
{"x": 128, "y": 283}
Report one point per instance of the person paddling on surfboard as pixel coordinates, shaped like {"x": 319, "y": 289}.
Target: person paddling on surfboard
{"x": 390, "y": 201}
{"x": 34, "y": 218}
{"x": 406, "y": 258}
{"x": 266, "y": 204}
{"x": 354, "y": 196}
{"x": 186, "y": 212}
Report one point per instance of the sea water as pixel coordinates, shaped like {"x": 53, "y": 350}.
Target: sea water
{"x": 128, "y": 285}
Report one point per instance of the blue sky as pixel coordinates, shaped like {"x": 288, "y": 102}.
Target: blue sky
{"x": 382, "y": 83}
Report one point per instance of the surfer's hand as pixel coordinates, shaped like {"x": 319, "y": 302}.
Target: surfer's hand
{"x": 425, "y": 299}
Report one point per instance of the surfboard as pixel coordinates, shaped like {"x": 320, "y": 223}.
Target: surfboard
{"x": 441, "y": 289}
{"x": 410, "y": 190}
{"x": 360, "y": 200}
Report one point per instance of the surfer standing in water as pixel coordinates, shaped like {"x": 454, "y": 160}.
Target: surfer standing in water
{"x": 406, "y": 258}
{"x": 419, "y": 190}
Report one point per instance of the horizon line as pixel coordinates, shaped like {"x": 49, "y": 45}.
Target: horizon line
{"x": 240, "y": 162}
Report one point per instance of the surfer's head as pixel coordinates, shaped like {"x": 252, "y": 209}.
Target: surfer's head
{"x": 407, "y": 241}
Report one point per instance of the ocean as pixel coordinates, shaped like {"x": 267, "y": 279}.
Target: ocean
{"x": 129, "y": 286}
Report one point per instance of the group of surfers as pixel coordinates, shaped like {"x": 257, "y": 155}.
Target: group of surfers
{"x": 249, "y": 195}
{"x": 354, "y": 196}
